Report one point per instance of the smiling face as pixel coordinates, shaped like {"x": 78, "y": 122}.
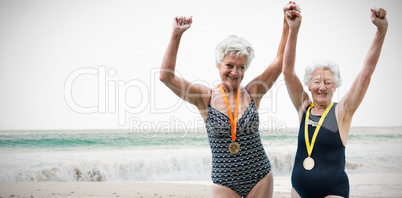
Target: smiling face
{"x": 231, "y": 70}
{"x": 322, "y": 86}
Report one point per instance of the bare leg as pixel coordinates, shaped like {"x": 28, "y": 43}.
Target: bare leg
{"x": 264, "y": 188}
{"x": 295, "y": 194}
{"x": 219, "y": 191}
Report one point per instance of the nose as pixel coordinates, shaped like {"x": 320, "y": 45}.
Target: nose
{"x": 322, "y": 86}
{"x": 234, "y": 71}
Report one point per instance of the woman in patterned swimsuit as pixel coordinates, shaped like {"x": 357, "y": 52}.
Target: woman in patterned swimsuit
{"x": 245, "y": 173}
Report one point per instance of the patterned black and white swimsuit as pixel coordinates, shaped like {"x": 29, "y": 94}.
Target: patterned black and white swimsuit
{"x": 240, "y": 172}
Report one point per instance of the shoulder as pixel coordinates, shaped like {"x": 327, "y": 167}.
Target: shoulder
{"x": 303, "y": 108}
{"x": 203, "y": 98}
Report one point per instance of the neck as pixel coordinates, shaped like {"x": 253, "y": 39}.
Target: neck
{"x": 319, "y": 108}
{"x": 229, "y": 90}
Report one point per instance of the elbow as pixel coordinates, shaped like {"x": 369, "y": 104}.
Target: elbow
{"x": 289, "y": 75}
{"x": 165, "y": 78}
{"x": 365, "y": 77}
{"x": 162, "y": 78}
{"x": 278, "y": 62}
{"x": 286, "y": 77}
{"x": 365, "y": 80}
{"x": 362, "y": 81}
{"x": 286, "y": 72}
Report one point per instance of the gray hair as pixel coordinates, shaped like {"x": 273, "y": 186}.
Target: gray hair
{"x": 323, "y": 64}
{"x": 234, "y": 44}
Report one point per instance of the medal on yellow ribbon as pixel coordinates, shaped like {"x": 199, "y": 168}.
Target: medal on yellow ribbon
{"x": 234, "y": 147}
{"x": 309, "y": 163}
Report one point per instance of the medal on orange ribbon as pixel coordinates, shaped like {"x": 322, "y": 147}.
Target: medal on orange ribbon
{"x": 234, "y": 147}
{"x": 309, "y": 163}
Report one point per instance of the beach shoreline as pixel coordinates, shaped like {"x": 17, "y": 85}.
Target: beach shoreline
{"x": 361, "y": 185}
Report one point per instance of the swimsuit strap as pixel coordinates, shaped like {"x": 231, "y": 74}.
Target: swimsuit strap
{"x": 249, "y": 94}
{"x": 210, "y": 96}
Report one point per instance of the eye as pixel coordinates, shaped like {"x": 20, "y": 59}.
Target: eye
{"x": 240, "y": 67}
{"x": 229, "y": 65}
{"x": 328, "y": 82}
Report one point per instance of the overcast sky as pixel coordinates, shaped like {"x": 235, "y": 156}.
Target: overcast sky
{"x": 94, "y": 64}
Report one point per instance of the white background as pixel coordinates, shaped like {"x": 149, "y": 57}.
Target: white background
{"x": 44, "y": 42}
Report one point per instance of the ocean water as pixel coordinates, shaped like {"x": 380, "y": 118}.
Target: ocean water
{"x": 120, "y": 155}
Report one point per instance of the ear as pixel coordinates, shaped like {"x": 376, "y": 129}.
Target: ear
{"x": 217, "y": 66}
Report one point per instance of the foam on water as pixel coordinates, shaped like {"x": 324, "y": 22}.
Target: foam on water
{"x": 121, "y": 156}
{"x": 118, "y": 165}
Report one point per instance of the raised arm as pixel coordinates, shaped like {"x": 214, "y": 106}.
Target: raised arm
{"x": 193, "y": 93}
{"x": 260, "y": 85}
{"x": 351, "y": 101}
{"x": 299, "y": 97}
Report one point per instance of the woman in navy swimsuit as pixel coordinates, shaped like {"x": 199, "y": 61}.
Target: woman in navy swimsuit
{"x": 319, "y": 168}
{"x": 240, "y": 166}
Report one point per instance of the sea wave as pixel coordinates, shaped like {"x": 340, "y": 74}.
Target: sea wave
{"x": 153, "y": 165}
{"x": 150, "y": 165}
{"x": 118, "y": 156}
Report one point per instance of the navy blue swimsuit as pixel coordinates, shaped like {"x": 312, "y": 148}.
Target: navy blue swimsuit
{"x": 242, "y": 171}
{"x": 328, "y": 177}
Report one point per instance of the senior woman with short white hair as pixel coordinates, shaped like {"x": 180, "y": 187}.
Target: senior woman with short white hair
{"x": 319, "y": 167}
{"x": 240, "y": 166}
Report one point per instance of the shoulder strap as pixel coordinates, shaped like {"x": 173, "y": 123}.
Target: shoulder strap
{"x": 249, "y": 94}
{"x": 210, "y": 96}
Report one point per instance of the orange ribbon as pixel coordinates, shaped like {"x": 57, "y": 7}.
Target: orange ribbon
{"x": 233, "y": 119}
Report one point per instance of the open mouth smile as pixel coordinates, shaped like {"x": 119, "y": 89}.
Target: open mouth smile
{"x": 232, "y": 78}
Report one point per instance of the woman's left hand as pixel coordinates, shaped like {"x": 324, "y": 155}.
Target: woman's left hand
{"x": 293, "y": 18}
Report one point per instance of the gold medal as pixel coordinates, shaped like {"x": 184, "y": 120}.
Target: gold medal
{"x": 308, "y": 163}
{"x": 234, "y": 148}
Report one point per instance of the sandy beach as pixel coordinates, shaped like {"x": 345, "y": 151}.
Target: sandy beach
{"x": 197, "y": 189}
{"x": 103, "y": 189}
{"x": 362, "y": 185}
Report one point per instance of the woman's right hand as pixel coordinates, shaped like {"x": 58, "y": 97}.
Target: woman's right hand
{"x": 292, "y": 15}
{"x": 291, "y": 6}
{"x": 181, "y": 23}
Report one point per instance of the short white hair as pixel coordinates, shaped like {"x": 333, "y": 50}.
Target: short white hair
{"x": 323, "y": 64}
{"x": 234, "y": 44}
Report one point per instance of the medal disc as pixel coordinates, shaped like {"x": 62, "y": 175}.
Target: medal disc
{"x": 308, "y": 163}
{"x": 234, "y": 147}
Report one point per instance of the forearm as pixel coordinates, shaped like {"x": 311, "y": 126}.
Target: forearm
{"x": 284, "y": 38}
{"x": 274, "y": 69}
{"x": 373, "y": 55}
{"x": 290, "y": 53}
{"x": 351, "y": 101}
{"x": 355, "y": 95}
{"x": 169, "y": 59}
{"x": 293, "y": 83}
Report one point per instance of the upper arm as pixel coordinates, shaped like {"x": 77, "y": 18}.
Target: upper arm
{"x": 353, "y": 98}
{"x": 195, "y": 94}
{"x": 260, "y": 85}
{"x": 350, "y": 102}
{"x": 299, "y": 97}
